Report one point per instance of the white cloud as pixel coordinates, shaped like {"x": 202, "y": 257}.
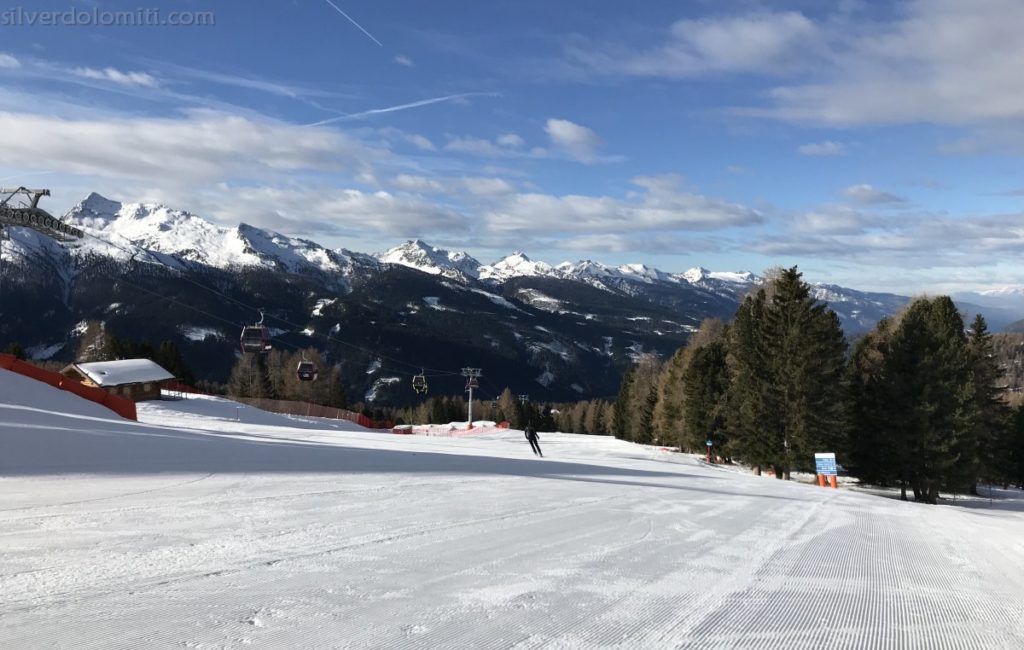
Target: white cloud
{"x": 116, "y": 76}
{"x": 841, "y": 235}
{"x": 412, "y": 183}
{"x": 312, "y": 211}
{"x": 826, "y": 148}
{"x": 476, "y": 147}
{"x": 836, "y": 220}
{"x": 936, "y": 61}
{"x": 8, "y": 61}
{"x": 940, "y": 61}
{"x": 868, "y": 195}
{"x": 421, "y": 142}
{"x": 392, "y": 135}
{"x": 578, "y": 141}
{"x": 401, "y": 59}
{"x": 511, "y": 140}
{"x": 662, "y": 205}
{"x": 201, "y": 146}
{"x": 761, "y": 42}
{"x": 479, "y": 186}
{"x": 647, "y": 244}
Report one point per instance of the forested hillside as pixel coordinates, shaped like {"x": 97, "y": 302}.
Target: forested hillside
{"x": 922, "y": 402}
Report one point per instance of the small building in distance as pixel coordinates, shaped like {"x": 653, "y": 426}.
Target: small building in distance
{"x": 135, "y": 379}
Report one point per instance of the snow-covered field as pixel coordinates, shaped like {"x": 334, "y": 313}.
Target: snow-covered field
{"x": 209, "y": 526}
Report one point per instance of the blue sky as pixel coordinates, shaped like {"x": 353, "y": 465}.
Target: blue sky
{"x": 876, "y": 145}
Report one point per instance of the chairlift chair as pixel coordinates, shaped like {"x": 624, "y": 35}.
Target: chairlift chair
{"x": 419, "y": 383}
{"x": 472, "y": 383}
{"x": 306, "y": 370}
{"x": 256, "y": 338}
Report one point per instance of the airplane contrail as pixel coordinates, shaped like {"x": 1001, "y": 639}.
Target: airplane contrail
{"x": 400, "y": 107}
{"x": 349, "y": 18}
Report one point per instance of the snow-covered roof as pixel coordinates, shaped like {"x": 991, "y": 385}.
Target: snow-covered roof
{"x": 124, "y": 371}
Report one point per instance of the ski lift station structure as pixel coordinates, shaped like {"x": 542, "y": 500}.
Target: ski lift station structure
{"x": 30, "y": 215}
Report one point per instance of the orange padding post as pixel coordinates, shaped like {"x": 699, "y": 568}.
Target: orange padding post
{"x": 120, "y": 405}
{"x": 832, "y": 481}
{"x": 821, "y": 480}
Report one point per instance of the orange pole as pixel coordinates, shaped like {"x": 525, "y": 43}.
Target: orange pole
{"x": 832, "y": 481}
{"x": 821, "y": 480}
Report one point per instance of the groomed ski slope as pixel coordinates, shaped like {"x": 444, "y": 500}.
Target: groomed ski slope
{"x": 204, "y": 526}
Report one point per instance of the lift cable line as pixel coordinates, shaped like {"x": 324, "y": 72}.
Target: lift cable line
{"x": 435, "y": 371}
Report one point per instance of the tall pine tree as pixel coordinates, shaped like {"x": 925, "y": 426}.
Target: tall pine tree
{"x": 991, "y": 415}
{"x": 752, "y": 425}
{"x": 706, "y": 384}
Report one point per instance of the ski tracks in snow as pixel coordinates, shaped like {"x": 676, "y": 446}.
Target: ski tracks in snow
{"x": 684, "y": 558}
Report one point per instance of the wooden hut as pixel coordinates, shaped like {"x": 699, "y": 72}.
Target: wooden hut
{"x": 136, "y": 379}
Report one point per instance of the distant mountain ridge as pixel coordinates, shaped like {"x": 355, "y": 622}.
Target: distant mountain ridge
{"x": 566, "y": 330}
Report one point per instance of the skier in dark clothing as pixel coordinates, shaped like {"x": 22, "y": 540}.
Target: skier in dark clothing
{"x": 531, "y": 435}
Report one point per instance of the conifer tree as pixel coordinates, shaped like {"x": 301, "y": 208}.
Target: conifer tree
{"x": 706, "y": 383}
{"x": 249, "y": 377}
{"x": 1015, "y": 449}
{"x": 991, "y": 414}
{"x": 875, "y": 453}
{"x": 668, "y": 412}
{"x": 752, "y": 425}
{"x": 608, "y": 419}
{"x": 804, "y": 353}
{"x": 926, "y": 393}
{"x": 168, "y": 356}
{"x": 621, "y": 420}
{"x": 15, "y": 349}
{"x": 509, "y": 408}
{"x": 592, "y": 417}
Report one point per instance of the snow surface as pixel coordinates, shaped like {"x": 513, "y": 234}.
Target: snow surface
{"x": 43, "y": 351}
{"x": 123, "y": 371}
{"x": 198, "y": 333}
{"x": 209, "y": 526}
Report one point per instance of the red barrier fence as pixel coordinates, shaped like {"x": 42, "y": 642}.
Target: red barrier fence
{"x": 448, "y": 430}
{"x": 288, "y": 407}
{"x": 123, "y": 407}
{"x": 291, "y": 407}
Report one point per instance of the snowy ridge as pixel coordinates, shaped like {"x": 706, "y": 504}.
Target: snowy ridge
{"x": 516, "y": 265}
{"x": 421, "y": 256}
{"x": 158, "y": 234}
{"x": 155, "y": 233}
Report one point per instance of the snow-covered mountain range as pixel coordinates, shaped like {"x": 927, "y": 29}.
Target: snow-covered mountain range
{"x": 570, "y": 327}
{"x": 148, "y": 232}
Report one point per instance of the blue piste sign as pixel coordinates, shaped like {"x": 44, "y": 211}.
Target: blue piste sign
{"x": 825, "y": 464}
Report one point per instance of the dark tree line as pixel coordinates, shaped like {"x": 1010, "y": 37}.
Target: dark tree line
{"x": 506, "y": 408}
{"x": 97, "y": 345}
{"x": 918, "y": 403}
{"x": 273, "y": 375}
